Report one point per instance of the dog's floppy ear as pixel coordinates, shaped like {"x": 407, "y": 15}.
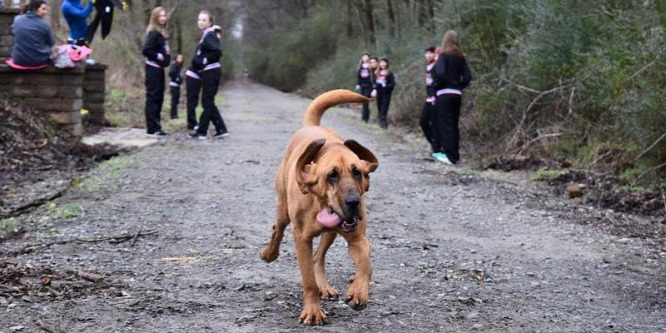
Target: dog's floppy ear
{"x": 364, "y": 154}
{"x": 306, "y": 172}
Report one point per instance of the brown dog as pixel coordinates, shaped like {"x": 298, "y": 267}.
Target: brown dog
{"x": 320, "y": 185}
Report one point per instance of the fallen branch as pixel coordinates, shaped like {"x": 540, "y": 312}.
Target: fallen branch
{"x": 646, "y": 172}
{"x": 136, "y": 235}
{"x": 650, "y": 147}
{"x": 35, "y": 203}
{"x": 111, "y": 239}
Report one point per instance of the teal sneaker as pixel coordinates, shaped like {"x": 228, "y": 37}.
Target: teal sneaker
{"x": 444, "y": 159}
{"x": 436, "y": 155}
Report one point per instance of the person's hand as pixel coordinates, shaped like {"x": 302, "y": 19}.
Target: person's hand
{"x": 373, "y": 94}
{"x": 357, "y": 88}
{"x": 205, "y": 61}
{"x": 383, "y": 85}
{"x": 160, "y": 57}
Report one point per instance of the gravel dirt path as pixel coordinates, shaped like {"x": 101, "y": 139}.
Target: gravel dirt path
{"x": 452, "y": 250}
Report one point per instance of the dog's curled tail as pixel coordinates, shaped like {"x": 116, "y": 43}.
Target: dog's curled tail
{"x": 329, "y": 99}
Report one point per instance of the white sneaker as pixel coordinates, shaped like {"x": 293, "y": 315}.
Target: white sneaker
{"x": 444, "y": 159}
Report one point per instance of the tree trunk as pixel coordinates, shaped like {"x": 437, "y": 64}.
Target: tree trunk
{"x": 392, "y": 20}
{"x": 369, "y": 21}
{"x": 350, "y": 24}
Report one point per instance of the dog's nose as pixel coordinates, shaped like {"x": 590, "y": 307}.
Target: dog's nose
{"x": 352, "y": 200}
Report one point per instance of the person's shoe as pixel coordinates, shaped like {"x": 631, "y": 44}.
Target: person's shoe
{"x": 197, "y": 135}
{"x": 444, "y": 159}
{"x": 158, "y": 133}
{"x": 174, "y": 117}
{"x": 220, "y": 135}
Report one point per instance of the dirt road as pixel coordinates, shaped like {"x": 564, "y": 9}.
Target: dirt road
{"x": 452, "y": 251}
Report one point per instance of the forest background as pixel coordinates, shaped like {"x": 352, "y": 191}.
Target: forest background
{"x": 576, "y": 84}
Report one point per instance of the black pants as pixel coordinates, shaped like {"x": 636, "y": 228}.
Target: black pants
{"x": 175, "y": 98}
{"x": 383, "y": 101}
{"x": 447, "y": 109}
{"x": 366, "y": 91}
{"x": 192, "y": 89}
{"x": 210, "y": 83}
{"x": 428, "y": 125}
{"x": 154, "y": 98}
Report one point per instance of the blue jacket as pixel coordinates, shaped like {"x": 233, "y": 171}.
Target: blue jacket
{"x": 33, "y": 39}
{"x": 75, "y": 15}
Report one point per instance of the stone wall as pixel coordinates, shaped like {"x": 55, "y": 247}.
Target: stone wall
{"x": 60, "y": 93}
{"x": 94, "y": 91}
{"x": 6, "y": 19}
{"x": 56, "y": 92}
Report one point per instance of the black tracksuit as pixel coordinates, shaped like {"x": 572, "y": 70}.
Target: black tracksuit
{"x": 452, "y": 75}
{"x": 384, "y": 83}
{"x": 192, "y": 89}
{"x": 428, "y": 113}
{"x": 364, "y": 77}
{"x": 207, "y": 61}
{"x": 156, "y": 50}
{"x": 174, "y": 84}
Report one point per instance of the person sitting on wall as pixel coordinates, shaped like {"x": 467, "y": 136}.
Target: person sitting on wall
{"x": 33, "y": 37}
{"x": 76, "y": 14}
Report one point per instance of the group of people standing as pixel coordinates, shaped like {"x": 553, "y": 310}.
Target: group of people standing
{"x": 375, "y": 80}
{"x": 202, "y": 77}
{"x": 446, "y": 75}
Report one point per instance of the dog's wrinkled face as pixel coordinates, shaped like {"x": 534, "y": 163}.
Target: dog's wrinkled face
{"x": 338, "y": 179}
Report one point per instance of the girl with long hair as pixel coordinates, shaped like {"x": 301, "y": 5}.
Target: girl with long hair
{"x": 157, "y": 53}
{"x": 384, "y": 84}
{"x": 364, "y": 78}
{"x": 452, "y": 75}
{"x": 206, "y": 64}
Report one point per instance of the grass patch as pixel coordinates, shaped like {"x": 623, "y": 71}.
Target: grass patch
{"x": 8, "y": 226}
{"x": 546, "y": 174}
{"x": 54, "y": 211}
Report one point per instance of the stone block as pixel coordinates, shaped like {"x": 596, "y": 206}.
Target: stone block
{"x": 66, "y": 118}
{"x": 94, "y": 87}
{"x": 54, "y": 104}
{"x": 93, "y": 97}
{"x": 71, "y": 79}
{"x": 70, "y": 92}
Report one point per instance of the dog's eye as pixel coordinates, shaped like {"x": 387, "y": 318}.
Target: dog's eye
{"x": 356, "y": 173}
{"x": 333, "y": 176}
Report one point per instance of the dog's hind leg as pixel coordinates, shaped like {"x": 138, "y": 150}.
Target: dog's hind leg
{"x": 325, "y": 289}
{"x": 272, "y": 250}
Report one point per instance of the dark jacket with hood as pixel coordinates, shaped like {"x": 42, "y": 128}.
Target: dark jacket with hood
{"x": 208, "y": 51}
{"x": 155, "y": 45}
{"x": 451, "y": 72}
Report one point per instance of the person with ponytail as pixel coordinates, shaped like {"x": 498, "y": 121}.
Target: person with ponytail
{"x": 206, "y": 64}
{"x": 364, "y": 77}
{"x": 452, "y": 75}
{"x": 157, "y": 53}
{"x": 383, "y": 88}
{"x": 33, "y": 37}
{"x": 428, "y": 111}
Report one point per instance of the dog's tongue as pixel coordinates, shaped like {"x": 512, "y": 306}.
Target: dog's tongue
{"x": 328, "y": 219}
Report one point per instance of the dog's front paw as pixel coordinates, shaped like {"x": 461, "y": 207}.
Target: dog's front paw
{"x": 312, "y": 314}
{"x": 357, "y": 296}
{"x": 328, "y": 292}
{"x": 267, "y": 255}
